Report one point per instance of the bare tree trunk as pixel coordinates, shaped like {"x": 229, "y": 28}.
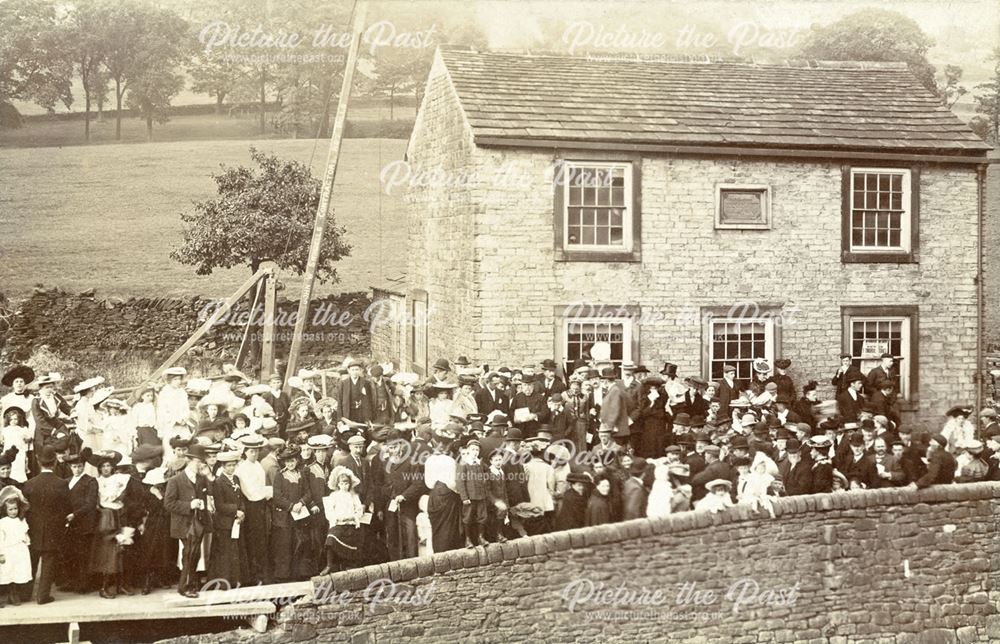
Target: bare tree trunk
{"x": 219, "y": 97}
{"x": 263, "y": 97}
{"x": 118, "y": 112}
{"x": 100, "y": 106}
{"x": 149, "y": 127}
{"x": 86, "y": 113}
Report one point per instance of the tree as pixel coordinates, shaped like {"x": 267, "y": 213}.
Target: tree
{"x": 33, "y": 64}
{"x": 212, "y": 74}
{"x": 260, "y": 216}
{"x": 875, "y": 35}
{"x": 141, "y": 39}
{"x": 151, "y": 93}
{"x": 987, "y": 98}
{"x": 84, "y": 28}
{"x": 949, "y": 90}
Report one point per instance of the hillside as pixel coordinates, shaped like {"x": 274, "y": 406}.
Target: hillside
{"x": 107, "y": 216}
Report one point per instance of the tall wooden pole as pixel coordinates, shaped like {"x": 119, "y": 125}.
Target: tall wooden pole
{"x": 326, "y": 193}
{"x": 267, "y": 330}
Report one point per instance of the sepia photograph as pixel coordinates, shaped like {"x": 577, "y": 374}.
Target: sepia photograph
{"x": 433, "y": 321}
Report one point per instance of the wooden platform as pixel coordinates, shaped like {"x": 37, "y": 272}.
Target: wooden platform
{"x": 70, "y": 608}
{"x": 244, "y": 595}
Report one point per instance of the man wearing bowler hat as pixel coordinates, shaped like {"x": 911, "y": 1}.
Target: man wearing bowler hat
{"x": 48, "y": 496}
{"x": 850, "y": 400}
{"x": 550, "y": 383}
{"x": 186, "y": 499}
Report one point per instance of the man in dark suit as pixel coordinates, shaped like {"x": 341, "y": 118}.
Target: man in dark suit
{"x": 357, "y": 463}
{"x": 729, "y": 390}
{"x": 849, "y": 401}
{"x": 403, "y": 487}
{"x": 615, "y": 407}
{"x": 941, "y": 464}
{"x": 382, "y": 397}
{"x": 82, "y": 522}
{"x": 530, "y": 397}
{"x": 796, "y": 471}
{"x": 857, "y": 463}
{"x": 883, "y": 402}
{"x": 186, "y": 501}
{"x": 492, "y": 397}
{"x": 550, "y": 384}
{"x": 842, "y": 378}
{"x": 634, "y": 493}
{"x": 880, "y": 374}
{"x": 356, "y": 395}
{"x": 50, "y": 506}
{"x": 279, "y": 401}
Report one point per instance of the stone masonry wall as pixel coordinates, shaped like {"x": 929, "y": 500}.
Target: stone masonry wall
{"x": 442, "y": 223}
{"x": 888, "y": 566}
{"x": 687, "y": 264}
{"x": 103, "y": 335}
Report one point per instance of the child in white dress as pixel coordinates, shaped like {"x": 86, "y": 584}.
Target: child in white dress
{"x": 15, "y": 557}
{"x": 343, "y": 511}
{"x": 15, "y": 433}
{"x": 658, "y": 503}
{"x": 757, "y": 484}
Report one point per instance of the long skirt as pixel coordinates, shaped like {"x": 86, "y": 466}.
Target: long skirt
{"x": 228, "y": 558}
{"x": 155, "y": 550}
{"x": 346, "y": 542}
{"x": 444, "y": 509}
{"x": 282, "y": 543}
{"x": 106, "y": 552}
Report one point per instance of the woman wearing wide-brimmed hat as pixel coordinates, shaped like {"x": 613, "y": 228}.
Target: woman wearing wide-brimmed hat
{"x": 143, "y": 414}
{"x": 289, "y": 536}
{"x": 18, "y": 378}
{"x": 106, "y": 553}
{"x": 157, "y": 551}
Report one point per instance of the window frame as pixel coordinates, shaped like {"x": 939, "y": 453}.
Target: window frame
{"x": 910, "y": 230}
{"x": 418, "y": 363}
{"x": 909, "y": 313}
{"x": 632, "y": 225}
{"x": 629, "y": 314}
{"x": 763, "y": 189}
{"x": 768, "y": 313}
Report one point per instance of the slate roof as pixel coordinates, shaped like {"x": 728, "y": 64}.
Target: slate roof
{"x": 831, "y": 106}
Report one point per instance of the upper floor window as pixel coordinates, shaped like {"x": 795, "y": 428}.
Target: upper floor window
{"x": 880, "y": 214}
{"x": 596, "y": 210}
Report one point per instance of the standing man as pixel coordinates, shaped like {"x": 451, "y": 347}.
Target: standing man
{"x": 846, "y": 370}
{"x": 729, "y": 390}
{"x": 382, "y": 397}
{"x": 634, "y": 491}
{"x": 849, "y": 401}
{"x": 47, "y": 517}
{"x": 492, "y": 397}
{"x": 615, "y": 407}
{"x": 279, "y": 401}
{"x": 878, "y": 375}
{"x": 550, "y": 383}
{"x": 356, "y": 396}
{"x": 186, "y": 499}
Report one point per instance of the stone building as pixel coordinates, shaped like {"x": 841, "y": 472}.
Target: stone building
{"x": 699, "y": 213}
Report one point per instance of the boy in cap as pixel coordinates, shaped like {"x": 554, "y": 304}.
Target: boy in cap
{"x": 470, "y": 480}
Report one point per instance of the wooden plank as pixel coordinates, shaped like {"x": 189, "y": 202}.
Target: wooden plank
{"x": 267, "y": 332}
{"x": 203, "y": 329}
{"x": 244, "y": 345}
{"x": 92, "y": 608}
{"x": 326, "y": 193}
{"x": 244, "y": 594}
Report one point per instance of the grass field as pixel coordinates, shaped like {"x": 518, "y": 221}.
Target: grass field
{"x": 107, "y": 216}
{"x": 184, "y": 127}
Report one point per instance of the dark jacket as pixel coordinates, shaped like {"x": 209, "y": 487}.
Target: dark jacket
{"x": 558, "y": 386}
{"x": 177, "y": 501}
{"x": 712, "y": 471}
{"x": 798, "y": 480}
{"x": 470, "y": 479}
{"x": 728, "y": 394}
{"x": 83, "y": 502}
{"x": 279, "y": 404}
{"x": 49, "y": 498}
{"x": 228, "y": 501}
{"x": 598, "y": 509}
{"x": 362, "y": 469}
{"x": 286, "y": 495}
{"x": 486, "y": 404}
{"x": 572, "y": 511}
{"x": 822, "y": 478}
{"x": 940, "y": 469}
{"x": 406, "y": 479}
{"x": 634, "y": 495}
{"x": 357, "y": 402}
{"x": 848, "y": 407}
{"x": 47, "y": 423}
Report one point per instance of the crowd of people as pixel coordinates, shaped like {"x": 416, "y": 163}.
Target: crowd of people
{"x": 192, "y": 479}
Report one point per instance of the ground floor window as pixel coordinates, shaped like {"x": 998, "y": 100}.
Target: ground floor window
{"x": 738, "y": 335}
{"x": 871, "y": 331}
{"x": 579, "y": 331}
